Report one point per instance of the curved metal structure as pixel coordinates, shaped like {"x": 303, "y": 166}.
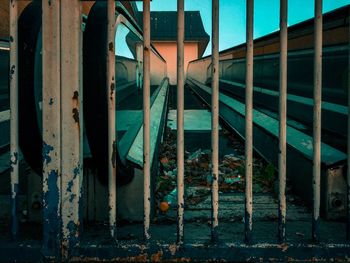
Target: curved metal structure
{"x": 128, "y": 83}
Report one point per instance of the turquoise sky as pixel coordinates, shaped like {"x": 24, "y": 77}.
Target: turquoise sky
{"x": 232, "y": 16}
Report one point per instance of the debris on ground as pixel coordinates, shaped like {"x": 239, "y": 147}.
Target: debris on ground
{"x": 198, "y": 176}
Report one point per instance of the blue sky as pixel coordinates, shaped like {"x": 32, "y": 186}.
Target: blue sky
{"x": 232, "y": 16}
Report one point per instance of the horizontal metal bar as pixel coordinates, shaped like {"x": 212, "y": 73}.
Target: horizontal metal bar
{"x": 231, "y": 252}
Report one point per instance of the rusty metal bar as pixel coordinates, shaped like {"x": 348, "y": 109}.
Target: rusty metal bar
{"x": 146, "y": 116}
{"x": 51, "y": 127}
{"x": 14, "y": 148}
{"x": 348, "y": 150}
{"x": 317, "y": 120}
{"x": 215, "y": 120}
{"x": 180, "y": 119}
{"x": 111, "y": 118}
{"x": 248, "y": 217}
{"x": 282, "y": 121}
{"x": 71, "y": 123}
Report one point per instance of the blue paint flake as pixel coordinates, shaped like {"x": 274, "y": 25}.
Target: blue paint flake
{"x": 46, "y": 151}
{"x": 51, "y": 210}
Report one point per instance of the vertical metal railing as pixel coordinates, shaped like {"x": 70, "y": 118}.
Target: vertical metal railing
{"x": 111, "y": 117}
{"x": 282, "y": 121}
{"x": 62, "y": 117}
{"x": 14, "y": 148}
{"x": 71, "y": 123}
{"x": 348, "y": 150}
{"x": 146, "y": 116}
{"x": 180, "y": 118}
{"x": 51, "y": 113}
{"x": 317, "y": 120}
{"x": 215, "y": 120}
{"x": 248, "y": 217}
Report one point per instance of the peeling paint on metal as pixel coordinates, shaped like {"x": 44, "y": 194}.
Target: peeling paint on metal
{"x": 114, "y": 154}
{"x": 12, "y": 71}
{"x": 76, "y": 115}
{"x": 76, "y": 96}
{"x": 14, "y": 221}
{"x": 46, "y": 153}
{"x": 51, "y": 233}
{"x": 111, "y": 46}
{"x": 112, "y": 87}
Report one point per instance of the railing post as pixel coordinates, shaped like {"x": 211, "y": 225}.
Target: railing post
{"x": 146, "y": 116}
{"x": 51, "y": 112}
{"x": 180, "y": 119}
{"x": 249, "y": 126}
{"x": 215, "y": 119}
{"x": 71, "y": 123}
{"x": 282, "y": 121}
{"x": 14, "y": 114}
{"x": 317, "y": 120}
{"x": 111, "y": 118}
{"x": 348, "y": 150}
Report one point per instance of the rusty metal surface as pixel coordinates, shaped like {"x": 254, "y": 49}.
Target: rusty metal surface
{"x": 215, "y": 119}
{"x": 282, "y": 155}
{"x": 63, "y": 163}
{"x": 111, "y": 95}
{"x": 317, "y": 119}
{"x": 51, "y": 129}
{"x": 190, "y": 252}
{"x": 146, "y": 117}
{"x": 348, "y": 148}
{"x": 249, "y": 124}
{"x": 180, "y": 119}
{"x": 14, "y": 148}
{"x": 71, "y": 156}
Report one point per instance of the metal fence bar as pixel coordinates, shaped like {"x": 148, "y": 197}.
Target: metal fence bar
{"x": 215, "y": 120}
{"x": 282, "y": 121}
{"x": 146, "y": 115}
{"x": 51, "y": 127}
{"x": 180, "y": 119}
{"x": 71, "y": 122}
{"x": 14, "y": 114}
{"x": 317, "y": 120}
{"x": 249, "y": 125}
{"x": 348, "y": 174}
{"x": 111, "y": 118}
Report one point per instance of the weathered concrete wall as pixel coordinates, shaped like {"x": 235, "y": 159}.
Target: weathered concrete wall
{"x": 158, "y": 69}
{"x": 168, "y": 50}
{"x": 198, "y": 69}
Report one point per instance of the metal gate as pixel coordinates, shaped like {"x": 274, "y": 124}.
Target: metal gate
{"x": 62, "y": 148}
